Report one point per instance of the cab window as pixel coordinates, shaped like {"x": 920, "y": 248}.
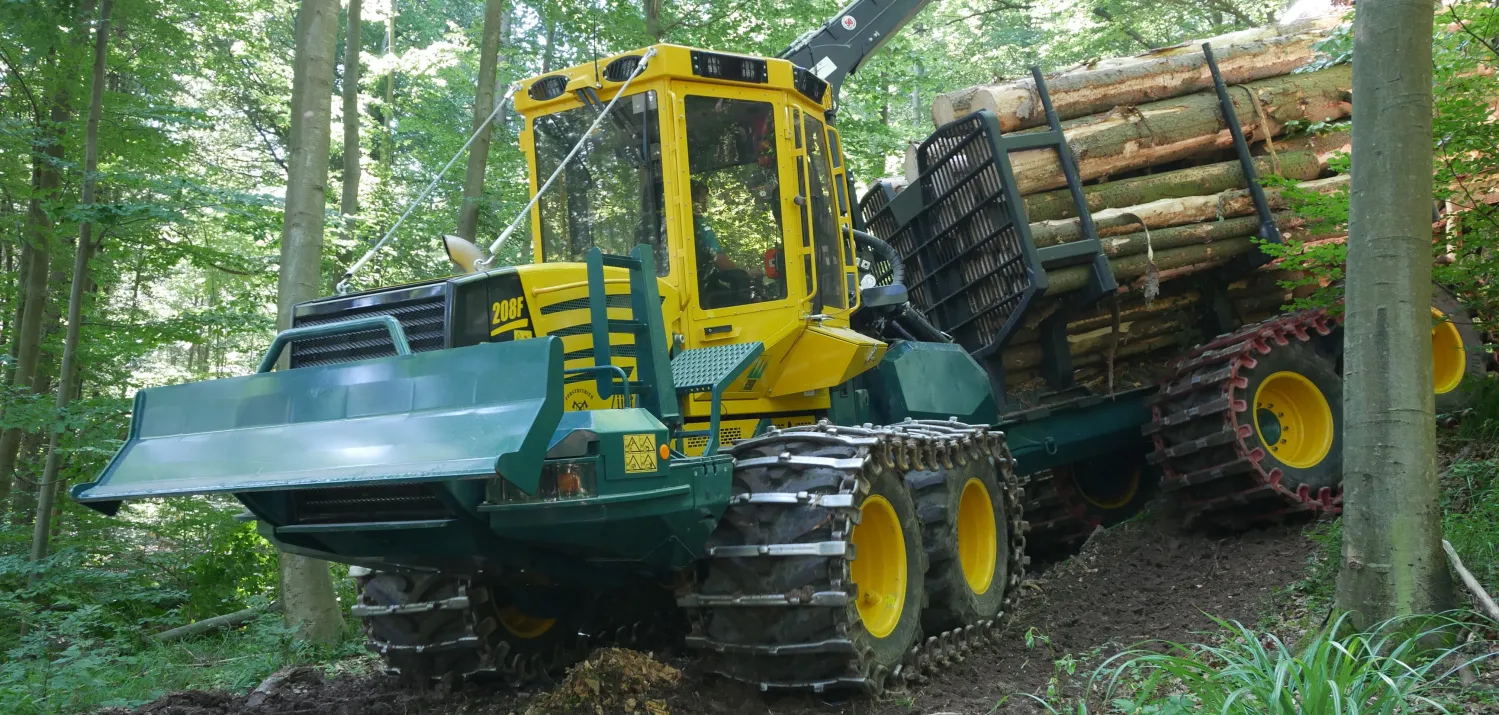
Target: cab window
{"x": 735, "y": 193}
{"x": 825, "y": 244}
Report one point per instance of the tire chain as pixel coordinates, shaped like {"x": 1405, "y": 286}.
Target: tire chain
{"x": 1235, "y": 490}
{"x": 497, "y": 660}
{"x": 909, "y": 445}
{"x": 1056, "y": 512}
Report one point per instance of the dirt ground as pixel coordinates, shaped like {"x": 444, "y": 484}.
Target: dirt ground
{"x": 1139, "y": 581}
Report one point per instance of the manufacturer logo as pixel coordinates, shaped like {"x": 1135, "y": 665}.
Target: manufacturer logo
{"x": 848, "y": 22}
{"x": 756, "y": 371}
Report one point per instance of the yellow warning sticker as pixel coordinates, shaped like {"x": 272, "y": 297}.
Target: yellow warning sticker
{"x": 640, "y": 453}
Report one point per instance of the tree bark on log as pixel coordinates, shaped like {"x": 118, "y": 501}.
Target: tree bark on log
{"x": 1159, "y": 132}
{"x": 1193, "y": 181}
{"x": 1130, "y": 267}
{"x": 228, "y": 620}
{"x": 1172, "y": 72}
{"x": 1166, "y": 213}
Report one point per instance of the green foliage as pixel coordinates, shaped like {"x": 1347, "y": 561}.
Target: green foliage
{"x": 1393, "y": 668}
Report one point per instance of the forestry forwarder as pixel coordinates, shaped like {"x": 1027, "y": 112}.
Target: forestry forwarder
{"x": 522, "y": 462}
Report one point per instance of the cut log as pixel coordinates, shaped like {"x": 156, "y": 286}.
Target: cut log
{"x": 1321, "y": 144}
{"x": 1190, "y": 234}
{"x": 1029, "y": 355}
{"x": 1194, "y": 181}
{"x": 1172, "y": 72}
{"x": 228, "y": 620}
{"x": 1165, "y": 213}
{"x": 1131, "y": 267}
{"x": 1159, "y": 132}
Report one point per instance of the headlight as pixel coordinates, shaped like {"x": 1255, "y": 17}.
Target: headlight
{"x": 559, "y": 481}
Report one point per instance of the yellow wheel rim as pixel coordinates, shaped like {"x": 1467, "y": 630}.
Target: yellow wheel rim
{"x": 1293, "y": 420}
{"x": 879, "y": 566}
{"x": 1448, "y": 358}
{"x": 522, "y": 625}
{"x": 1123, "y": 498}
{"x": 977, "y": 537}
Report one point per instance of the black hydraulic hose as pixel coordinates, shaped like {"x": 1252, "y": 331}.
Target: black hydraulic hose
{"x": 912, "y": 321}
{"x": 887, "y": 251}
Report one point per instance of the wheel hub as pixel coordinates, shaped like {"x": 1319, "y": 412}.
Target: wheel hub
{"x": 977, "y": 536}
{"x": 1448, "y": 357}
{"x": 879, "y": 566}
{"x": 1293, "y": 419}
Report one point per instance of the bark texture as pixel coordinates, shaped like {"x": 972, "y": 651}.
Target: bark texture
{"x": 1171, "y": 129}
{"x": 1193, "y": 181}
{"x": 1172, "y": 212}
{"x": 1392, "y": 531}
{"x": 484, "y": 99}
{"x": 306, "y": 585}
{"x": 1162, "y": 74}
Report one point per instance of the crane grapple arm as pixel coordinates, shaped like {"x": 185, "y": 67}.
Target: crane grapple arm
{"x": 837, "y": 49}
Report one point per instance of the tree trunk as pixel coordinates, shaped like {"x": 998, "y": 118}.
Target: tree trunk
{"x": 1159, "y": 132}
{"x": 389, "y": 114}
{"x": 1392, "y": 520}
{"x": 1171, "y": 72}
{"x": 306, "y": 585}
{"x": 484, "y": 99}
{"x": 46, "y": 181}
{"x": 47, "y": 489}
{"x": 549, "y": 53}
{"x": 1165, "y": 213}
{"x": 1194, "y": 181}
{"x": 653, "y": 20}
{"x": 348, "y": 204}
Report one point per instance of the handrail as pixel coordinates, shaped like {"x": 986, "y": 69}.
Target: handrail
{"x": 343, "y": 327}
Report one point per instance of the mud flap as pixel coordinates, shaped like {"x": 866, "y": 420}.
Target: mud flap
{"x": 468, "y": 412}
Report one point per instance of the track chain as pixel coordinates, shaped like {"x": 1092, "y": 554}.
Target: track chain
{"x": 910, "y": 445}
{"x": 1203, "y": 434}
{"x": 496, "y": 657}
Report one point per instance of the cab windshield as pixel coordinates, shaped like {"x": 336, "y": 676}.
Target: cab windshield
{"x": 610, "y": 194}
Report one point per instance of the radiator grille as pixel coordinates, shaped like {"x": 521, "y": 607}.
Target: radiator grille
{"x": 422, "y": 316}
{"x": 350, "y": 505}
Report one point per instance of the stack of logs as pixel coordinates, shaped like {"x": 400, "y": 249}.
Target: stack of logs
{"x": 1164, "y": 184}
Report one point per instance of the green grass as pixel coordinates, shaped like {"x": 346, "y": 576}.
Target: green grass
{"x": 1384, "y": 671}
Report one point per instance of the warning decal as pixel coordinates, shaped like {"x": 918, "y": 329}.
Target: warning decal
{"x": 640, "y": 453}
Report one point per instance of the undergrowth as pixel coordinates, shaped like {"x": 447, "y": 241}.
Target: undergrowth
{"x": 77, "y": 636}
{"x": 1389, "y": 669}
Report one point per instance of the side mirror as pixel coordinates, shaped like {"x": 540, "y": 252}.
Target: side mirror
{"x": 462, "y": 252}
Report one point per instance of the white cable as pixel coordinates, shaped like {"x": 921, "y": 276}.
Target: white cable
{"x": 343, "y": 284}
{"x": 486, "y": 263}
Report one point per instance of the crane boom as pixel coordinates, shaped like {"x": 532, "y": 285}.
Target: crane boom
{"x": 837, "y": 49}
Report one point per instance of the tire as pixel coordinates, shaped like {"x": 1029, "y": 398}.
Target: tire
{"x": 783, "y": 600}
{"x": 1295, "y": 400}
{"x": 1454, "y": 377}
{"x": 423, "y": 645}
{"x": 951, "y": 504}
{"x": 1114, "y": 487}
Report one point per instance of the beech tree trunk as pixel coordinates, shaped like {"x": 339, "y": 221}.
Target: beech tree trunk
{"x": 1392, "y": 520}
{"x": 1193, "y": 181}
{"x": 306, "y": 585}
{"x": 484, "y": 99}
{"x": 67, "y": 374}
{"x": 348, "y": 204}
{"x": 1171, "y": 72}
{"x": 1171, "y": 129}
{"x": 46, "y": 182}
